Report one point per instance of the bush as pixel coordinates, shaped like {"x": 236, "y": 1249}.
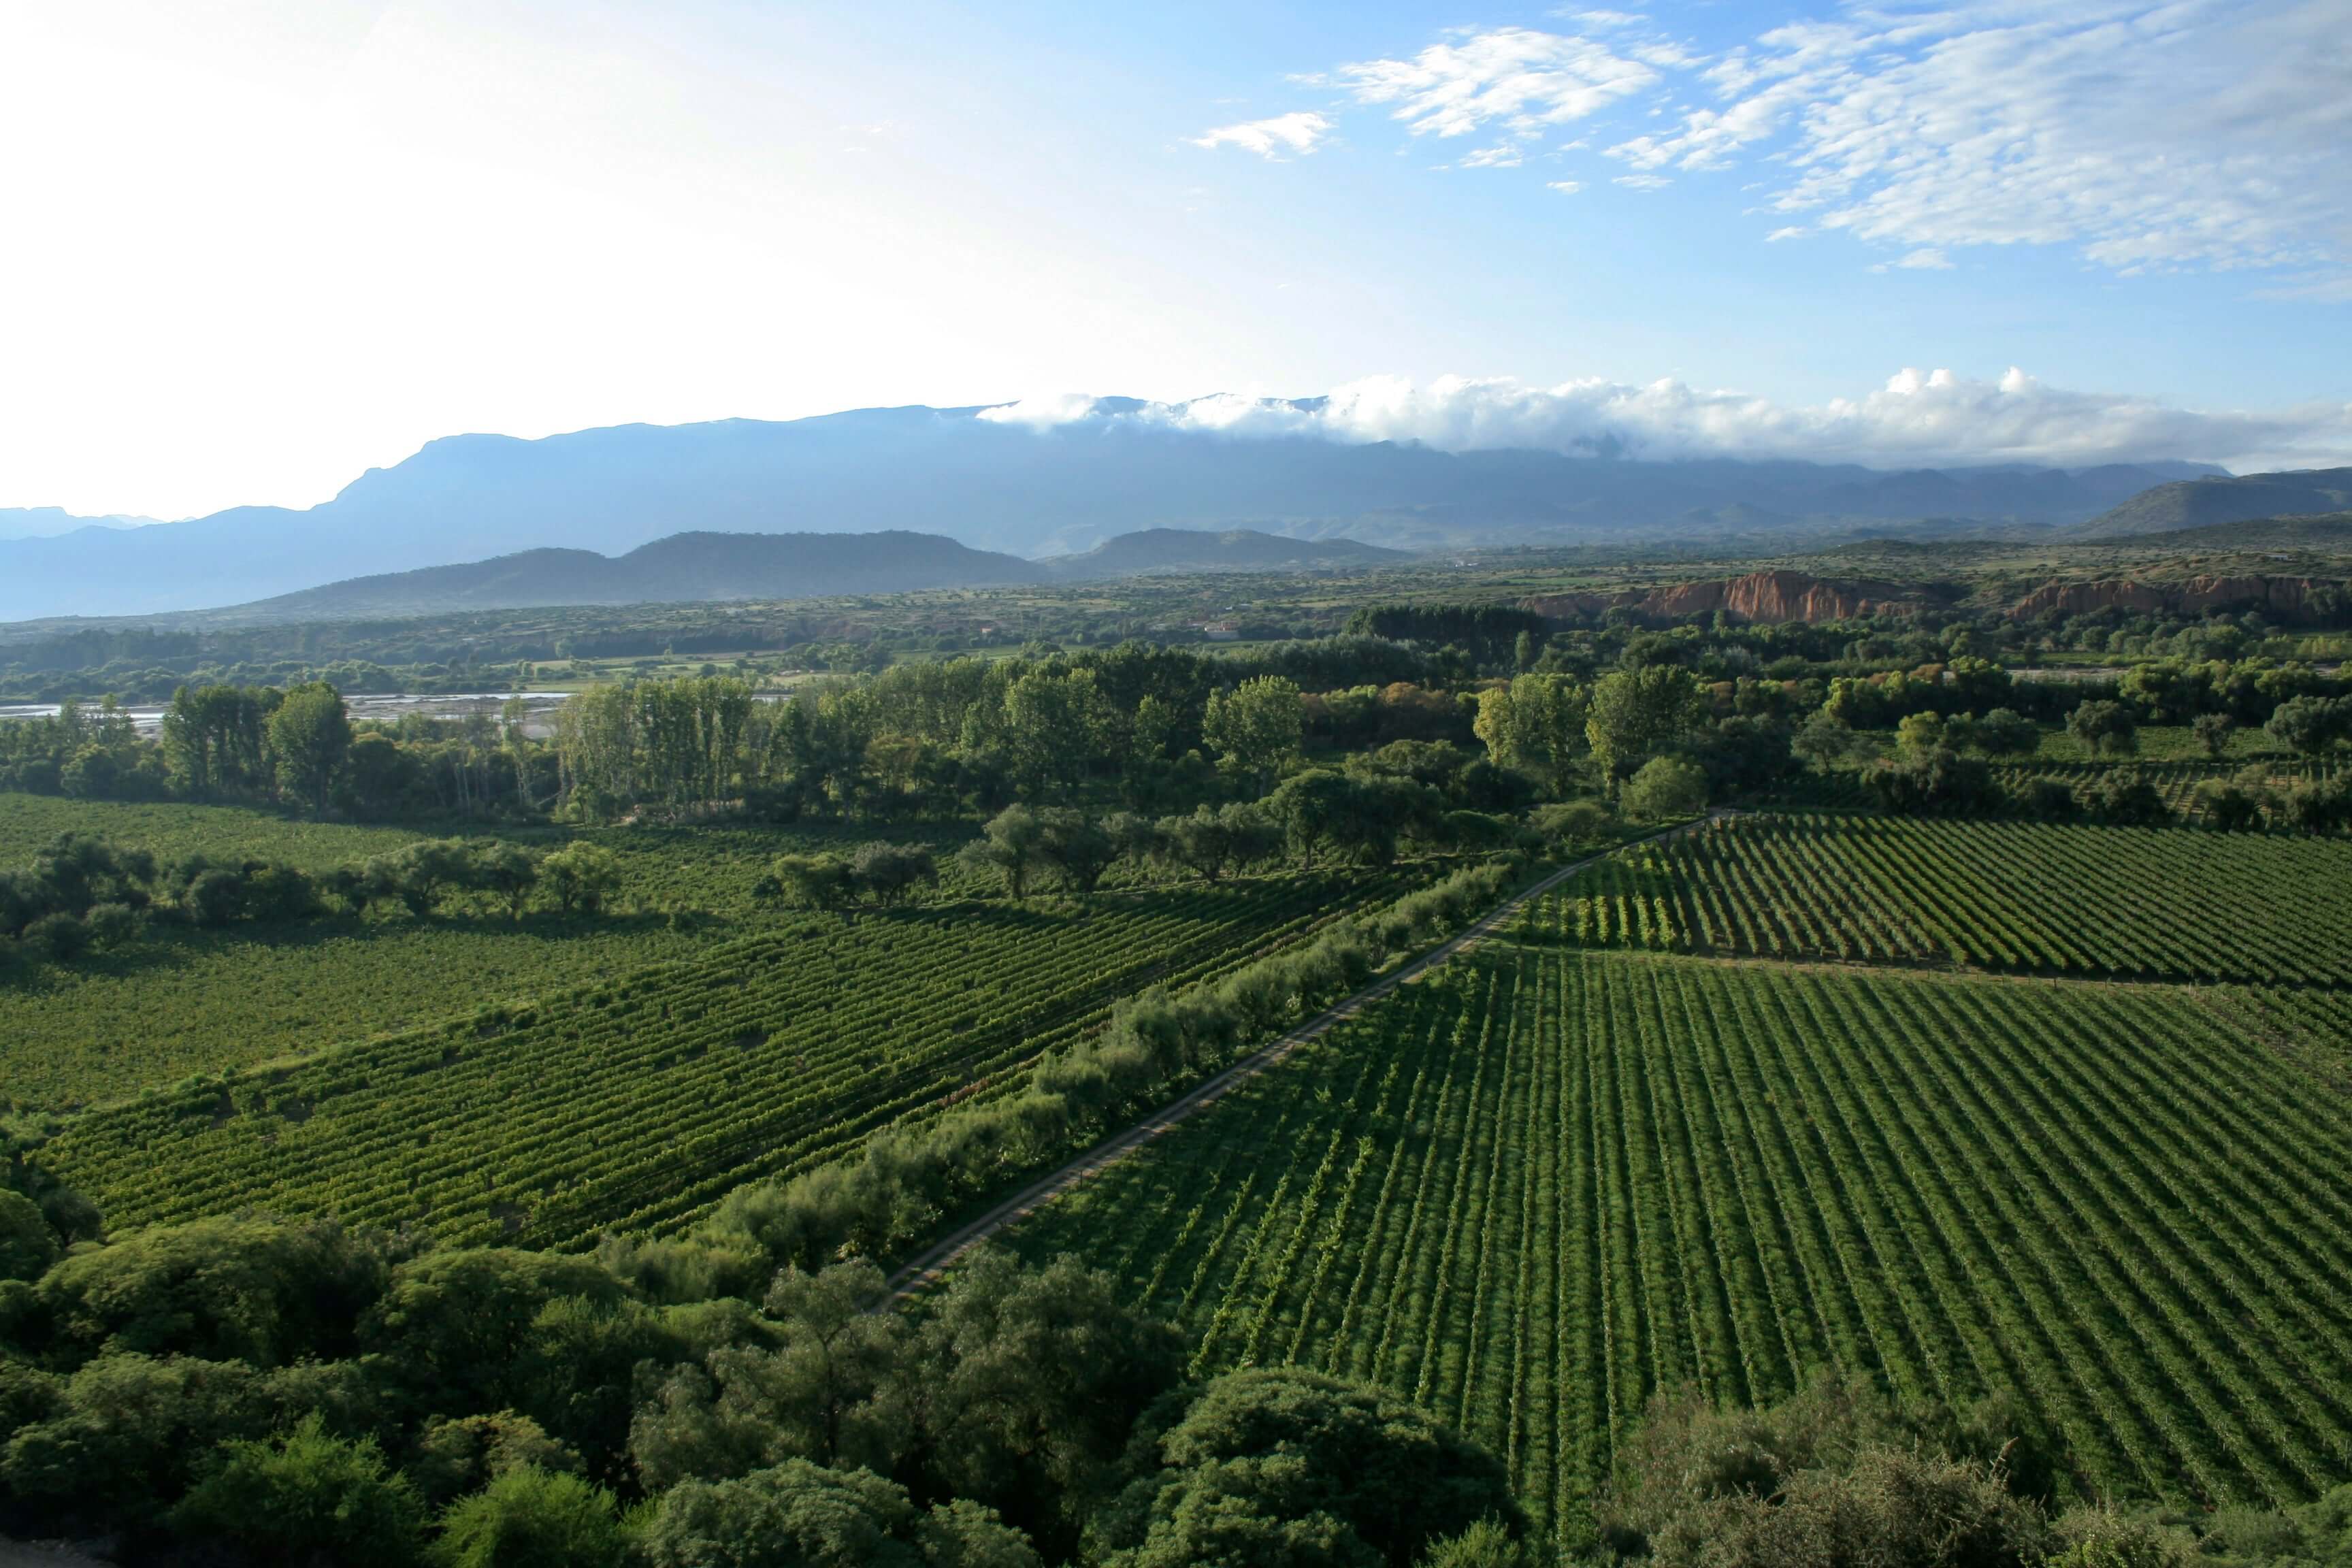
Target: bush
{"x": 531, "y": 1518}
{"x": 1278, "y": 1464}
{"x": 306, "y": 1495}
{"x": 1664, "y": 788}
{"x": 28, "y": 1246}
{"x": 2125, "y": 800}
{"x": 61, "y": 938}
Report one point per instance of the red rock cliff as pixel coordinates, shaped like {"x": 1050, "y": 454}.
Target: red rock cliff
{"x": 1758, "y": 597}
{"x": 2281, "y": 598}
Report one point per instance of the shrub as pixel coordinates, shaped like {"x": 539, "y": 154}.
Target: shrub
{"x": 1664, "y": 788}
{"x": 531, "y": 1518}
{"x": 306, "y": 1495}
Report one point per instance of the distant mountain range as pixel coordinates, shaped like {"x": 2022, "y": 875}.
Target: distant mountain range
{"x": 989, "y": 484}
{"x": 46, "y": 521}
{"x": 2208, "y": 500}
{"x": 683, "y": 568}
{"x": 690, "y": 567}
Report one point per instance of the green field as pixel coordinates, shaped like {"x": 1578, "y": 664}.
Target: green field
{"x": 1547, "y": 1183}
{"x": 2021, "y": 897}
{"x": 185, "y": 1001}
{"x": 638, "y": 1103}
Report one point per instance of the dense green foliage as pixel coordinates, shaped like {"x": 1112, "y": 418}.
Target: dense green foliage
{"x": 1531, "y": 1192}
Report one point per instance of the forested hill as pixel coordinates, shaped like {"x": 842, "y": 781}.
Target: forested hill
{"x": 2213, "y": 500}
{"x": 683, "y": 568}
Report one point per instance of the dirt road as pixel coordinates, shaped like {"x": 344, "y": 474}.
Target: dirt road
{"x": 923, "y": 1270}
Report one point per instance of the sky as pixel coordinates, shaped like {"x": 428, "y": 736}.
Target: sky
{"x": 251, "y": 248}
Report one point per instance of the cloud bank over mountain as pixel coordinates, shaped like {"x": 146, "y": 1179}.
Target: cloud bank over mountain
{"x": 1932, "y": 418}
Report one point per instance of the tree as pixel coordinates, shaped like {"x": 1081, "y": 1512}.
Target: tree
{"x": 1827, "y": 742}
{"x": 311, "y": 742}
{"x": 419, "y": 872}
{"x": 962, "y": 1533}
{"x": 2310, "y": 726}
{"x": 1275, "y": 1465}
{"x": 1485, "y": 1544}
{"x": 838, "y": 1350}
{"x": 2126, "y": 800}
{"x": 1665, "y": 787}
{"x": 1021, "y": 1388}
{"x": 580, "y": 875}
{"x": 794, "y": 1515}
{"x": 1538, "y": 724}
{"x": 2228, "y": 808}
{"x": 2214, "y": 732}
{"x": 812, "y": 881}
{"x": 2005, "y": 733}
{"x": 508, "y": 870}
{"x": 2104, "y": 728}
{"x": 1312, "y": 807}
{"x": 1211, "y": 841}
{"x": 890, "y": 872}
{"x": 1056, "y": 723}
{"x": 1012, "y": 844}
{"x": 305, "y": 1496}
{"x": 531, "y": 1518}
{"x": 1077, "y": 849}
{"x": 1637, "y": 713}
{"x": 1256, "y": 727}
{"x": 28, "y": 1246}
{"x": 457, "y": 1455}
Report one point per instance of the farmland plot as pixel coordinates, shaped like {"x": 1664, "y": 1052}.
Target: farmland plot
{"x": 638, "y": 1103}
{"x": 1546, "y": 1183}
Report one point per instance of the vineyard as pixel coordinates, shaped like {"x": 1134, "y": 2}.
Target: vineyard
{"x": 191, "y": 1000}
{"x": 2017, "y": 897}
{"x": 1545, "y": 1184}
{"x": 639, "y": 1103}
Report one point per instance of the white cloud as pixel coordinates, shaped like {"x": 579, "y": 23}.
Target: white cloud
{"x": 1515, "y": 77}
{"x": 1499, "y": 157}
{"x": 1793, "y": 231}
{"x": 1915, "y": 418}
{"x": 1565, "y": 188}
{"x": 1928, "y": 258}
{"x": 1301, "y": 131}
{"x": 2146, "y": 134}
{"x": 1642, "y": 182}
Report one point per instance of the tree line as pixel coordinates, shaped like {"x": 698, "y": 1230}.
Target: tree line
{"x": 83, "y": 892}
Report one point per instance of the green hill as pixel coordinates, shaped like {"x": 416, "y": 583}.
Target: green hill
{"x": 2185, "y": 504}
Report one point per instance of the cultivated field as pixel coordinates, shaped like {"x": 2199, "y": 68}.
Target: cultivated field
{"x": 185, "y": 1000}
{"x": 2021, "y": 897}
{"x": 641, "y": 1102}
{"x": 1547, "y": 1183}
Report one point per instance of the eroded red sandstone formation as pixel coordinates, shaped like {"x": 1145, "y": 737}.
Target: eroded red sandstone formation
{"x": 1772, "y": 596}
{"x": 2281, "y": 598}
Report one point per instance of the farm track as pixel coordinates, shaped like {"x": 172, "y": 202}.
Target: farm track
{"x": 925, "y": 1269}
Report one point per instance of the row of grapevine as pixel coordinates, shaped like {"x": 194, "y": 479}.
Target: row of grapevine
{"x": 640, "y": 1103}
{"x": 2047, "y": 898}
{"x": 1542, "y": 1185}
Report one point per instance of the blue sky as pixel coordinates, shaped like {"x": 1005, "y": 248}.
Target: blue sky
{"x": 256, "y": 246}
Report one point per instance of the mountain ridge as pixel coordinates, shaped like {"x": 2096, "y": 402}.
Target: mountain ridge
{"x": 2216, "y": 500}
{"x": 990, "y": 484}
